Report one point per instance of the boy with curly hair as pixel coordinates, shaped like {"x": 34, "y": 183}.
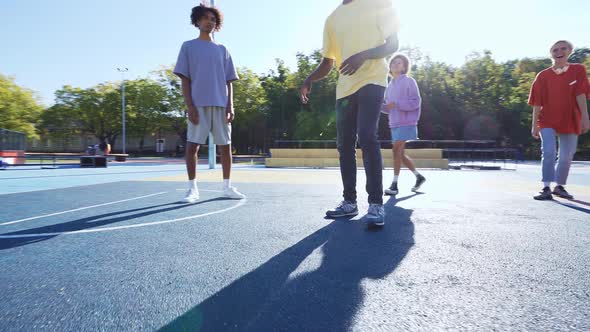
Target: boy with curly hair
{"x": 207, "y": 71}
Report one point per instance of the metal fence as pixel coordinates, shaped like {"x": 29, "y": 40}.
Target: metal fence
{"x": 12, "y": 140}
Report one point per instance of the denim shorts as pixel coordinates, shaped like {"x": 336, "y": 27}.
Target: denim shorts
{"x": 405, "y": 133}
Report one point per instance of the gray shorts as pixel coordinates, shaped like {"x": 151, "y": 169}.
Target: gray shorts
{"x": 211, "y": 119}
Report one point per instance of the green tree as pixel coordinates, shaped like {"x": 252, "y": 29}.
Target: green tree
{"x": 145, "y": 99}
{"x": 317, "y": 120}
{"x": 60, "y": 122}
{"x": 482, "y": 99}
{"x": 481, "y": 87}
{"x": 522, "y": 75}
{"x": 280, "y": 117}
{"x": 175, "y": 110}
{"x": 584, "y": 143}
{"x": 19, "y": 109}
{"x": 580, "y": 55}
{"x": 442, "y": 116}
{"x": 251, "y": 107}
{"x": 97, "y": 111}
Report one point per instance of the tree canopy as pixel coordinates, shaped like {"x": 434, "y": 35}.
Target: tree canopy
{"x": 481, "y": 99}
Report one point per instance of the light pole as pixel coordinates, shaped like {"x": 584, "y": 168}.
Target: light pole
{"x": 211, "y": 149}
{"x": 123, "y": 71}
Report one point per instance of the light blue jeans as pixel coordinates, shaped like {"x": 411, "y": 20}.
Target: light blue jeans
{"x": 567, "y": 148}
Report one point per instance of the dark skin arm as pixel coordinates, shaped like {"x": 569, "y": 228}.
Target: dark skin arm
{"x": 352, "y": 64}
{"x": 349, "y": 66}
{"x": 320, "y": 72}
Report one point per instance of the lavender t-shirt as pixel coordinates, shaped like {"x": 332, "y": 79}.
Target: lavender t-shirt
{"x": 209, "y": 66}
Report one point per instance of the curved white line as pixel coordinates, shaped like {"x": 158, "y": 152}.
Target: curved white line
{"x": 240, "y": 203}
{"x": 79, "y": 209}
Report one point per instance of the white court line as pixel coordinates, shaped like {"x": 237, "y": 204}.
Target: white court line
{"x": 106, "y": 229}
{"x": 211, "y": 191}
{"x": 79, "y": 209}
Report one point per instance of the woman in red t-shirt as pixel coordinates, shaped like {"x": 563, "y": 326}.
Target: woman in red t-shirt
{"x": 558, "y": 97}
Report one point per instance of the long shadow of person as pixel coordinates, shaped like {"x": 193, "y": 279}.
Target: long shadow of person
{"x": 581, "y": 202}
{"x": 570, "y": 204}
{"x": 33, "y": 235}
{"x": 325, "y": 299}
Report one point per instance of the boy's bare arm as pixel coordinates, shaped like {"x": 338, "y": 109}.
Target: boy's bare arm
{"x": 229, "y": 110}
{"x": 193, "y": 115}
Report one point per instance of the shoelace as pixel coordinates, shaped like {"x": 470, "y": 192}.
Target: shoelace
{"x": 343, "y": 204}
{"x": 374, "y": 209}
{"x": 562, "y": 191}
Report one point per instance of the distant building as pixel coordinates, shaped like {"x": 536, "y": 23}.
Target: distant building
{"x": 164, "y": 143}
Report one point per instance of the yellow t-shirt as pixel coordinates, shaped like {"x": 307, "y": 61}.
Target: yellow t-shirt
{"x": 355, "y": 27}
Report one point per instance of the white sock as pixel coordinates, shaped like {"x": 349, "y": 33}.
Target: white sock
{"x": 192, "y": 184}
{"x": 226, "y": 183}
{"x": 415, "y": 172}
{"x": 547, "y": 184}
{"x": 395, "y": 177}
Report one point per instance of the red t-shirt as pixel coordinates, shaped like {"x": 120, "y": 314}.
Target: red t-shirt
{"x": 556, "y": 94}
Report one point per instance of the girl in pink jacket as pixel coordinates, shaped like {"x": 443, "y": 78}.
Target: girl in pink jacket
{"x": 402, "y": 104}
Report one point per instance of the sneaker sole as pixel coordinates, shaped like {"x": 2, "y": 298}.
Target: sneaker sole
{"x": 391, "y": 192}
{"x": 375, "y": 221}
{"x": 189, "y": 201}
{"x": 376, "y": 224}
{"x": 342, "y": 215}
{"x": 561, "y": 196}
{"x": 414, "y": 189}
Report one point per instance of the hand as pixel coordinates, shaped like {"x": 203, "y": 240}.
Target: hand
{"x": 193, "y": 115}
{"x": 230, "y": 114}
{"x": 585, "y": 125}
{"x": 535, "y": 132}
{"x": 391, "y": 106}
{"x": 352, "y": 64}
{"x": 304, "y": 91}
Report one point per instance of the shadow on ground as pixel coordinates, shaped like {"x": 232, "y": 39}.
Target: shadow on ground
{"x": 325, "y": 299}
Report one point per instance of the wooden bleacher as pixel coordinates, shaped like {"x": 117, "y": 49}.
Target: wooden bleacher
{"x": 319, "y": 158}
{"x": 425, "y": 153}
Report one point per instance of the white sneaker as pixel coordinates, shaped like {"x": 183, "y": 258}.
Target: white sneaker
{"x": 233, "y": 193}
{"x": 192, "y": 195}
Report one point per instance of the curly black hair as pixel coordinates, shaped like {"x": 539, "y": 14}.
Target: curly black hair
{"x": 201, "y": 10}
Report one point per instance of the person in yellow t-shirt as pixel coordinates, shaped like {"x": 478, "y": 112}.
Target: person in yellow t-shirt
{"x": 359, "y": 36}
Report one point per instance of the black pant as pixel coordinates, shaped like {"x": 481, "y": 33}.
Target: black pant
{"x": 357, "y": 115}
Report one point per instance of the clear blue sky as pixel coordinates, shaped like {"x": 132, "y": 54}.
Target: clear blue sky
{"x": 47, "y": 44}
